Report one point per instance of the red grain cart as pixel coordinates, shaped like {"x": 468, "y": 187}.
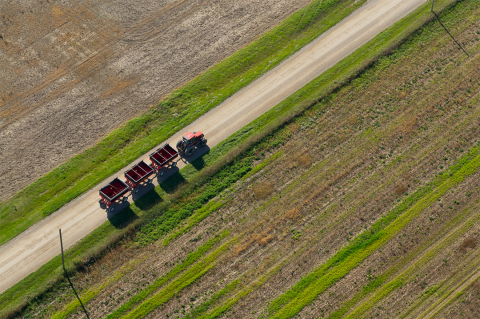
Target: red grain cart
{"x": 163, "y": 157}
{"x": 137, "y": 175}
{"x": 112, "y": 192}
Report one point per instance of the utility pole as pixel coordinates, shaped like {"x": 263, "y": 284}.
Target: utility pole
{"x": 66, "y": 274}
{"x": 61, "y": 247}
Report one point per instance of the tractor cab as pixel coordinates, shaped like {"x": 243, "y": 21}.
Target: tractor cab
{"x": 192, "y": 137}
{"x": 190, "y": 141}
{"x": 189, "y": 138}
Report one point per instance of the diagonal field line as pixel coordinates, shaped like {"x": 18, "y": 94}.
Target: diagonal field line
{"x": 329, "y": 274}
{"x": 36, "y": 246}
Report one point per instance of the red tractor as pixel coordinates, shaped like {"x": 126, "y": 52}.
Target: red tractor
{"x": 189, "y": 141}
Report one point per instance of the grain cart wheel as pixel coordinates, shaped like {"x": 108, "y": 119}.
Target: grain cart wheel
{"x": 112, "y": 208}
{"x": 189, "y": 151}
{"x": 204, "y": 142}
{"x": 179, "y": 146}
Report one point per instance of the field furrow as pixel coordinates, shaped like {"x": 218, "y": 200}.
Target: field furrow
{"x": 360, "y": 204}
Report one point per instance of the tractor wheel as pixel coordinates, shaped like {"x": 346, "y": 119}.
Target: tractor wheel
{"x": 204, "y": 142}
{"x": 179, "y": 146}
{"x": 189, "y": 151}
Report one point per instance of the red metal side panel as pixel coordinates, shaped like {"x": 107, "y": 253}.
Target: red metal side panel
{"x": 139, "y": 172}
{"x": 164, "y": 155}
{"x": 114, "y": 190}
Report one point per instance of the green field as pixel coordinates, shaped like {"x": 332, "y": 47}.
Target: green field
{"x": 374, "y": 216}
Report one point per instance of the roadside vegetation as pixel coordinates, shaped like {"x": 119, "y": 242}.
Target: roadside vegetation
{"x": 374, "y": 216}
{"x": 183, "y": 106}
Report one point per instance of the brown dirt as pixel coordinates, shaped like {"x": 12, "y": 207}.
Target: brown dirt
{"x": 353, "y": 182}
{"x": 74, "y": 70}
{"x": 84, "y": 214}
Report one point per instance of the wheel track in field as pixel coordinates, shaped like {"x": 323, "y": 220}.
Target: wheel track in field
{"x": 418, "y": 261}
{"x": 142, "y": 32}
{"x": 83, "y": 215}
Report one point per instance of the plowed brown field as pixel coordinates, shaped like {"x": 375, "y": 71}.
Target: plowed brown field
{"x": 72, "y": 71}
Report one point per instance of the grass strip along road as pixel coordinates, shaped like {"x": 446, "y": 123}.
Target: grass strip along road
{"x": 124, "y": 145}
{"x": 353, "y": 65}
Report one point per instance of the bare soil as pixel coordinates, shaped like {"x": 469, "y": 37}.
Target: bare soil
{"x": 353, "y": 186}
{"x": 84, "y": 214}
{"x": 346, "y": 179}
{"x": 72, "y": 71}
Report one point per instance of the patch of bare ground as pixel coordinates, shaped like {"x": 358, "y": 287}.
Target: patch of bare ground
{"x": 73, "y": 71}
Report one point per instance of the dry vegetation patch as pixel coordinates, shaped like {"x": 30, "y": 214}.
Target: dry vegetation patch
{"x": 263, "y": 190}
{"x": 468, "y": 243}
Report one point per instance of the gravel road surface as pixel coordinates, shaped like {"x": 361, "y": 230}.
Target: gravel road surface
{"x": 74, "y": 70}
{"x": 39, "y": 244}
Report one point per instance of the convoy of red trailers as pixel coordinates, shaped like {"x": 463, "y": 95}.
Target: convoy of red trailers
{"x": 143, "y": 173}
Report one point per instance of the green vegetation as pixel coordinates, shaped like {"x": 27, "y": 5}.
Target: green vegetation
{"x": 182, "y": 107}
{"x": 196, "y": 218}
{"x": 92, "y": 292}
{"x": 191, "y": 258}
{"x": 268, "y": 133}
{"x": 201, "y": 312}
{"x": 307, "y": 289}
{"x": 178, "y": 284}
{"x": 206, "y": 305}
{"x": 405, "y": 276}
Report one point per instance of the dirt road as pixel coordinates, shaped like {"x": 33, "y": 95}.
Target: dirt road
{"x": 40, "y": 243}
{"x": 74, "y": 70}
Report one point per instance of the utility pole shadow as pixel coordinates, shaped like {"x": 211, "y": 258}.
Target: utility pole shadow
{"x": 438, "y": 19}
{"x": 75, "y": 292}
{"x": 66, "y": 274}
